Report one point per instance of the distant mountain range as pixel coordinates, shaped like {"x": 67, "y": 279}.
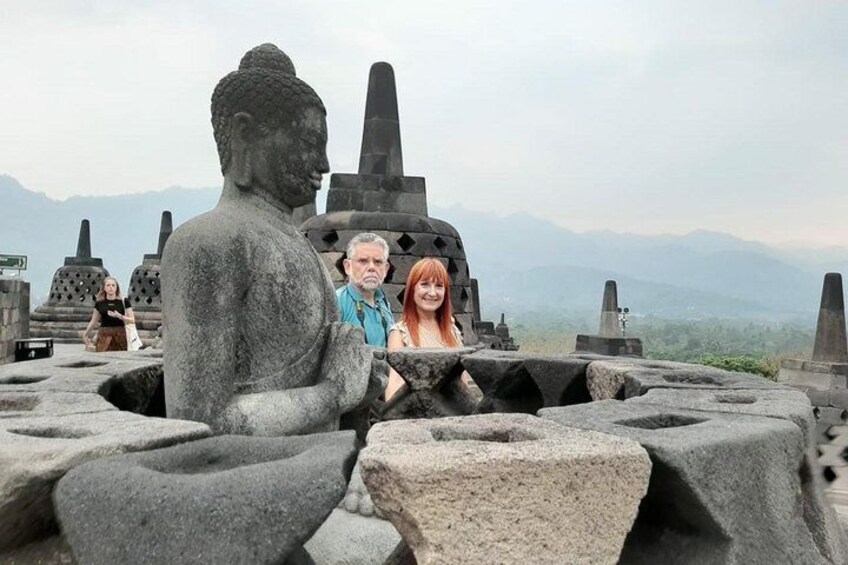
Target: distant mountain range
{"x": 524, "y": 264}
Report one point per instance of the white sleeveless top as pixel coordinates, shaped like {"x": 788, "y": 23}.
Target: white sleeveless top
{"x": 426, "y": 338}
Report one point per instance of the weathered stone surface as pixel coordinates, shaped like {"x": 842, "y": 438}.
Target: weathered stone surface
{"x": 14, "y": 315}
{"x": 814, "y": 375}
{"x": 605, "y": 375}
{"x": 505, "y": 383}
{"x": 785, "y": 404}
{"x": 490, "y": 489}
{"x": 433, "y": 386}
{"x": 36, "y": 451}
{"x": 84, "y": 372}
{"x": 352, "y": 539}
{"x": 639, "y": 382}
{"x": 624, "y": 346}
{"x": 724, "y": 487}
{"x": 355, "y": 533}
{"x": 561, "y": 379}
{"x": 49, "y": 551}
{"x": 35, "y": 404}
{"x": 253, "y": 342}
{"x": 513, "y": 382}
{"x": 227, "y": 499}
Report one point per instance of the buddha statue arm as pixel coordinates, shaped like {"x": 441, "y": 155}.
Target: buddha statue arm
{"x": 345, "y": 370}
{"x": 203, "y": 280}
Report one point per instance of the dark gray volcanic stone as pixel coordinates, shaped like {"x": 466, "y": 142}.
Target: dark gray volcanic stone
{"x": 505, "y": 383}
{"x": 785, "y": 404}
{"x": 831, "y": 345}
{"x": 227, "y": 499}
{"x": 517, "y": 382}
{"x": 36, "y": 451}
{"x": 724, "y": 487}
{"x": 562, "y": 380}
{"x": 433, "y": 387}
{"x": 638, "y": 382}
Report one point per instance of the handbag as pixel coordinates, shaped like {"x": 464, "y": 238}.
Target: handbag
{"x": 134, "y": 342}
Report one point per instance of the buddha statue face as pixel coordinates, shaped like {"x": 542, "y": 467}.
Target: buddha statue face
{"x": 271, "y": 129}
{"x": 296, "y": 159}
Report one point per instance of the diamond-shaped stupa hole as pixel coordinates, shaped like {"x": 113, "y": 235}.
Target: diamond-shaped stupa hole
{"x": 440, "y": 243}
{"x": 844, "y": 454}
{"x": 459, "y": 244}
{"x": 406, "y": 242}
{"x": 829, "y": 475}
{"x": 400, "y": 296}
{"x": 340, "y": 264}
{"x": 463, "y": 297}
{"x": 390, "y": 274}
{"x": 330, "y": 237}
{"x": 452, "y": 268}
{"x": 149, "y": 300}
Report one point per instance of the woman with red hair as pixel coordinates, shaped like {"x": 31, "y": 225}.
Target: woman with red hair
{"x": 427, "y": 314}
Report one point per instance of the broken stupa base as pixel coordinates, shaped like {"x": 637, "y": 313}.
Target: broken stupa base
{"x": 614, "y": 346}
{"x": 819, "y": 375}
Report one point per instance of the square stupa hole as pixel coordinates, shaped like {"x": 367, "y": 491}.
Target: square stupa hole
{"x": 660, "y": 421}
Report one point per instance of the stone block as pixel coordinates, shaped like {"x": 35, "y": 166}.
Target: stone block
{"x": 356, "y": 532}
{"x": 724, "y": 487}
{"x": 433, "y": 387}
{"x": 39, "y": 404}
{"x": 504, "y": 381}
{"x": 492, "y": 488}
{"x": 786, "y": 404}
{"x": 84, "y": 372}
{"x": 814, "y": 375}
{"x": 38, "y": 451}
{"x": 626, "y": 346}
{"x": 695, "y": 377}
{"x": 605, "y": 375}
{"x": 227, "y": 499}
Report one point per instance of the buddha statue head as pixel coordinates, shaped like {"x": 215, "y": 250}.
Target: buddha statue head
{"x": 271, "y": 131}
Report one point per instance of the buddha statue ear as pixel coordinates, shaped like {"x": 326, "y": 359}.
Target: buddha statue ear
{"x": 243, "y": 133}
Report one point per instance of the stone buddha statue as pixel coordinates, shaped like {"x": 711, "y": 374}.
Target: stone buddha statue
{"x": 252, "y": 340}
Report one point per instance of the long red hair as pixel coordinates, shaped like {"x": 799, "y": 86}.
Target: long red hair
{"x": 429, "y": 269}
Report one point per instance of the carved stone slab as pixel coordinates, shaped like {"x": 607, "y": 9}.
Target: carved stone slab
{"x": 35, "y": 452}
{"x": 505, "y": 488}
{"x": 725, "y": 488}
{"x": 222, "y": 500}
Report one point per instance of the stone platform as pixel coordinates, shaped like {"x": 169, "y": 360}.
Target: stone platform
{"x": 58, "y": 413}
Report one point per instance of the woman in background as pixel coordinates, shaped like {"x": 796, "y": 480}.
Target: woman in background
{"x": 112, "y": 313}
{"x": 427, "y": 314}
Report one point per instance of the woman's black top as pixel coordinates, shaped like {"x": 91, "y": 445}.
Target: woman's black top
{"x": 103, "y": 306}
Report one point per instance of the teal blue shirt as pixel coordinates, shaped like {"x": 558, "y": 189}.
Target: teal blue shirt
{"x": 375, "y": 320}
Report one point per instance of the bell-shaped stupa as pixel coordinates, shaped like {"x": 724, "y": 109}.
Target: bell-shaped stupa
{"x": 145, "y": 293}
{"x": 382, "y": 200}
{"x": 72, "y": 294}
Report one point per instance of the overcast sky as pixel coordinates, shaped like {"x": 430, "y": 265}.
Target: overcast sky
{"x": 634, "y": 116}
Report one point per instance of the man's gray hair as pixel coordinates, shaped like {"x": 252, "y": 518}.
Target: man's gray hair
{"x": 367, "y": 237}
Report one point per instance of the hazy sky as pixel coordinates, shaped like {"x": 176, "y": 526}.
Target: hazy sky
{"x": 639, "y": 116}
